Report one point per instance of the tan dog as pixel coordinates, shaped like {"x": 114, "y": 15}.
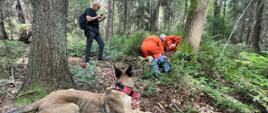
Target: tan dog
{"x": 75, "y": 101}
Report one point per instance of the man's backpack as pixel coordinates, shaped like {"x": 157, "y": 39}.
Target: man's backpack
{"x": 83, "y": 21}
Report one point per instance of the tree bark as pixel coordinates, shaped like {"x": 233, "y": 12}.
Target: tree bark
{"x": 125, "y": 17}
{"x": 185, "y": 11}
{"x": 3, "y": 34}
{"x": 47, "y": 57}
{"x": 257, "y": 28}
{"x": 20, "y": 13}
{"x": 109, "y": 19}
{"x": 217, "y": 10}
{"x": 25, "y": 34}
{"x": 250, "y": 27}
{"x": 154, "y": 16}
{"x": 112, "y": 17}
{"x": 224, "y": 8}
{"x": 195, "y": 24}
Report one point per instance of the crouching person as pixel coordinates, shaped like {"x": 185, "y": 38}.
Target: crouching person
{"x": 153, "y": 50}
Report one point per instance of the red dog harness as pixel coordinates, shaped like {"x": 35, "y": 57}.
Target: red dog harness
{"x": 126, "y": 89}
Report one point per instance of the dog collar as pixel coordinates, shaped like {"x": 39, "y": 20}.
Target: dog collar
{"x": 127, "y": 90}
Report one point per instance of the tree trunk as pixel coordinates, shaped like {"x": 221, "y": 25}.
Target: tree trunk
{"x": 109, "y": 19}
{"x": 26, "y": 10}
{"x": 241, "y": 30}
{"x": 154, "y": 16}
{"x": 185, "y": 11}
{"x": 125, "y": 17}
{"x": 224, "y": 9}
{"x": 250, "y": 27}
{"x": 112, "y": 17}
{"x": 257, "y": 28}
{"x": 20, "y": 13}
{"x": 47, "y": 57}
{"x": 217, "y": 10}
{"x": 25, "y": 34}
{"x": 195, "y": 23}
{"x": 3, "y": 34}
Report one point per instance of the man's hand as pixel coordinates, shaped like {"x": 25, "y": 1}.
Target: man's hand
{"x": 98, "y": 17}
{"x": 102, "y": 18}
{"x": 89, "y": 18}
{"x": 150, "y": 59}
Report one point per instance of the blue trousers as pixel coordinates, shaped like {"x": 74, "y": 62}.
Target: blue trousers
{"x": 162, "y": 61}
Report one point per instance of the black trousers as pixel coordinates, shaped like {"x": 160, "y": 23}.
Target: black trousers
{"x": 90, "y": 36}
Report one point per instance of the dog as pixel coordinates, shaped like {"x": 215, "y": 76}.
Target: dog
{"x": 76, "y": 101}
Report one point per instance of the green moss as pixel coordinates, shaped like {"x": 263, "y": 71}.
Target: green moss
{"x": 30, "y": 94}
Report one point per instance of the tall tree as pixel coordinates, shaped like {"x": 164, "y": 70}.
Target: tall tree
{"x": 217, "y": 9}
{"x": 20, "y": 13}
{"x": 25, "y": 33}
{"x": 257, "y": 27}
{"x": 154, "y": 15}
{"x": 195, "y": 23}
{"x": 185, "y": 11}
{"x": 47, "y": 57}
{"x": 109, "y": 19}
{"x": 125, "y": 16}
{"x": 224, "y": 7}
{"x": 3, "y": 34}
{"x": 112, "y": 18}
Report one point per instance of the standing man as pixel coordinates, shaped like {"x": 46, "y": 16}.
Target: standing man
{"x": 92, "y": 30}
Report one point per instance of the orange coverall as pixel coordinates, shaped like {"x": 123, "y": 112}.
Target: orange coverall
{"x": 152, "y": 45}
{"x": 172, "y": 40}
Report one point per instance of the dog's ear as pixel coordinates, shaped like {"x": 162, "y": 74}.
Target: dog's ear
{"x": 117, "y": 72}
{"x": 129, "y": 71}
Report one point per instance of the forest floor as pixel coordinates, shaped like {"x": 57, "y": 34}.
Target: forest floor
{"x": 214, "y": 91}
{"x": 161, "y": 99}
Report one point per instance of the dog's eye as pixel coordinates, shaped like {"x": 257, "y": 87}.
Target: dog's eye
{"x": 117, "y": 72}
{"x": 129, "y": 71}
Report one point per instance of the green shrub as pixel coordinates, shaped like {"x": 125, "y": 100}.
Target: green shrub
{"x": 30, "y": 94}
{"x": 120, "y": 46}
{"x": 238, "y": 72}
{"x": 85, "y": 75}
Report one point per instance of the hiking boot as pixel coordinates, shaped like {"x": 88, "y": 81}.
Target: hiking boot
{"x": 101, "y": 59}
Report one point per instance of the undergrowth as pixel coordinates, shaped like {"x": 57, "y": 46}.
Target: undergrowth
{"x": 236, "y": 82}
{"x": 30, "y": 95}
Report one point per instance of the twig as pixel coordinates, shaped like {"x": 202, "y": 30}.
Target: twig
{"x": 27, "y": 93}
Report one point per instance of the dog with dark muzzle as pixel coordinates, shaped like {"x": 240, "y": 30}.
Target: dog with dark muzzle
{"x": 115, "y": 100}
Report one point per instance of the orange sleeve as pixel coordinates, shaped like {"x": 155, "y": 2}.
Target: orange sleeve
{"x": 168, "y": 42}
{"x": 176, "y": 39}
{"x": 160, "y": 45}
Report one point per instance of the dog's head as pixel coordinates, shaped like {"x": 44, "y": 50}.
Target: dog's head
{"x": 124, "y": 74}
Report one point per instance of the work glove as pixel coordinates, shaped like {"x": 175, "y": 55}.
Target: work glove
{"x": 150, "y": 59}
{"x": 173, "y": 45}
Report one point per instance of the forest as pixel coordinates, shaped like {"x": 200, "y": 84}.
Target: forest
{"x": 219, "y": 64}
